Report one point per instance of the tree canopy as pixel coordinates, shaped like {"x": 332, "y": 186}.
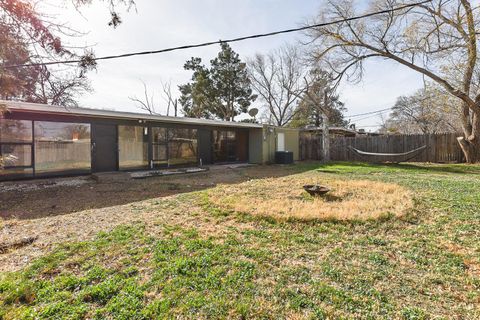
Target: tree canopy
{"x": 221, "y": 91}
{"x": 428, "y": 110}
{"x": 28, "y": 36}
{"x": 320, "y": 99}
{"x": 436, "y": 39}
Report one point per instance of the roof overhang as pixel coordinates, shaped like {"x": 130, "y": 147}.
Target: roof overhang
{"x": 16, "y": 106}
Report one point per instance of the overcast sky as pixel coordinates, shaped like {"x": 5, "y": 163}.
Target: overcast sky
{"x": 160, "y": 24}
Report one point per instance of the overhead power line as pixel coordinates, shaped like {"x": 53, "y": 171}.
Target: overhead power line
{"x": 368, "y": 113}
{"x": 205, "y": 44}
{"x": 367, "y": 117}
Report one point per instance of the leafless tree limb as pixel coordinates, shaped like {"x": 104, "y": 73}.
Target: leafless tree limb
{"x": 432, "y": 39}
{"x": 145, "y": 103}
{"x": 169, "y": 98}
{"x": 278, "y": 80}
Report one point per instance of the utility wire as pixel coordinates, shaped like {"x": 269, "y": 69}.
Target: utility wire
{"x": 256, "y": 36}
{"x": 366, "y": 118}
{"x": 368, "y": 113}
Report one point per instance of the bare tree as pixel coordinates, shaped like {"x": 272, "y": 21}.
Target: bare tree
{"x": 61, "y": 89}
{"x": 426, "y": 111}
{"x": 432, "y": 39}
{"x": 278, "y": 80}
{"x": 145, "y": 103}
{"x": 172, "y": 102}
{"x": 319, "y": 96}
{"x": 385, "y": 125}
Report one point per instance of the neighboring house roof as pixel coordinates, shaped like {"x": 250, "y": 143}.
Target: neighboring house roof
{"x": 98, "y": 113}
{"x": 333, "y": 130}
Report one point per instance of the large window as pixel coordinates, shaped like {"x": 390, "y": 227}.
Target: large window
{"x": 133, "y": 147}
{"x": 159, "y": 147}
{"x": 16, "y": 131}
{"x": 182, "y": 146}
{"x": 16, "y": 148}
{"x": 174, "y": 146}
{"x": 62, "y": 147}
{"x": 224, "y": 146}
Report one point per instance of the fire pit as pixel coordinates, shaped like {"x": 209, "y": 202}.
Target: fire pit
{"x": 316, "y": 190}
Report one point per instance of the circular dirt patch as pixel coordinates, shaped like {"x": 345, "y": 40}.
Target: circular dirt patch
{"x": 285, "y": 199}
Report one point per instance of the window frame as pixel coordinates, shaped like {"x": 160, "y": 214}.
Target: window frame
{"x": 145, "y": 140}
{"x": 31, "y": 144}
{"x": 230, "y": 140}
{"x": 67, "y": 172}
{"x": 165, "y": 142}
{"x": 171, "y": 140}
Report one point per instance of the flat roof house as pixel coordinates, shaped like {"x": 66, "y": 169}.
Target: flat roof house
{"x": 39, "y": 140}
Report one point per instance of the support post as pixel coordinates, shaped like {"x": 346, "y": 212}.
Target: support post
{"x": 325, "y": 139}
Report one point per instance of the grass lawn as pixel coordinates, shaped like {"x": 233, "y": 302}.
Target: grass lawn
{"x": 424, "y": 264}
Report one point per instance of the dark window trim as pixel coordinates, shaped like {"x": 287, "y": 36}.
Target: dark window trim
{"x": 31, "y": 144}
{"x": 17, "y": 167}
{"x": 157, "y": 163}
{"x": 16, "y": 143}
{"x": 146, "y": 139}
{"x": 32, "y": 163}
{"x": 166, "y": 142}
{"x": 54, "y": 173}
{"x": 228, "y": 141}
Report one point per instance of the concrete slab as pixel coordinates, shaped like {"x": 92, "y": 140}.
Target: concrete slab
{"x": 166, "y": 172}
{"x": 111, "y": 177}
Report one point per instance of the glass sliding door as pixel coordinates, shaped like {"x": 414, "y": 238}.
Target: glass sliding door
{"x": 62, "y": 147}
{"x": 182, "y": 146}
{"x": 16, "y": 145}
{"x": 159, "y": 147}
{"x": 174, "y": 147}
{"x": 224, "y": 146}
{"x": 133, "y": 147}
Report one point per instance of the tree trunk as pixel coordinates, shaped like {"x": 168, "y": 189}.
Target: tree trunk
{"x": 317, "y": 118}
{"x": 471, "y": 149}
{"x": 470, "y": 143}
{"x": 325, "y": 139}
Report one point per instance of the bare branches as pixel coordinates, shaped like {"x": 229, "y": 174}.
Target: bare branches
{"x": 422, "y": 39}
{"x": 145, "y": 103}
{"x": 429, "y": 110}
{"x": 319, "y": 104}
{"x": 115, "y": 18}
{"x": 278, "y": 80}
{"x": 172, "y": 102}
{"x": 437, "y": 40}
{"x": 61, "y": 89}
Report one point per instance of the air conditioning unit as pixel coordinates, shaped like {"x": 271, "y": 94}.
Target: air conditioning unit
{"x": 284, "y": 157}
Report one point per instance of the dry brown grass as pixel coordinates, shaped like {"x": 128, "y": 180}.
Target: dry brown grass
{"x": 284, "y": 199}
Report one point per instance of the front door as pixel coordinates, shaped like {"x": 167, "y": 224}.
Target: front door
{"x": 104, "y": 148}
{"x": 281, "y": 141}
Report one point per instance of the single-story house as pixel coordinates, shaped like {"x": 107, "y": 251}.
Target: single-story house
{"x": 38, "y": 140}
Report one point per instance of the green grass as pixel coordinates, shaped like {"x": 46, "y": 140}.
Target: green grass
{"x": 423, "y": 266}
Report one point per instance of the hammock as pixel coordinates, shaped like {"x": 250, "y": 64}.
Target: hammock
{"x": 412, "y": 154}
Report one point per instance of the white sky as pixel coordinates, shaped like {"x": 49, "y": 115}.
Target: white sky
{"x": 160, "y": 24}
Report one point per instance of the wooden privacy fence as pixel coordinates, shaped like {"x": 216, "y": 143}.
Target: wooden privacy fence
{"x": 440, "y": 147}
{"x": 310, "y": 146}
